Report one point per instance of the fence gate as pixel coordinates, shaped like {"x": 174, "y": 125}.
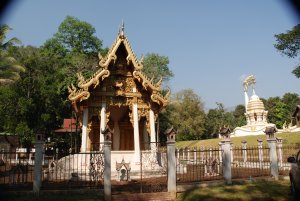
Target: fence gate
{"x": 74, "y": 171}
{"x": 153, "y": 173}
{"x": 16, "y": 170}
{"x": 199, "y": 164}
{"x": 150, "y": 179}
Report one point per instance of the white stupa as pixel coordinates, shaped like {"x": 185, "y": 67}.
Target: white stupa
{"x": 256, "y": 114}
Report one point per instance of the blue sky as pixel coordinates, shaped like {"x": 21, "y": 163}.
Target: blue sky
{"x": 211, "y": 44}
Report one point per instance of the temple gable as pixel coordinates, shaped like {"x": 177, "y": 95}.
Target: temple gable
{"x": 121, "y": 96}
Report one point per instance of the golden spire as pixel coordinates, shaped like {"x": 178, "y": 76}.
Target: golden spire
{"x": 122, "y": 28}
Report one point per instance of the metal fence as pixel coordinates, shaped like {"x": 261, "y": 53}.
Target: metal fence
{"x": 205, "y": 163}
{"x": 192, "y": 165}
{"x": 199, "y": 164}
{"x": 74, "y": 170}
{"x": 250, "y": 162}
{"x": 16, "y": 170}
{"x": 151, "y": 177}
{"x": 283, "y": 153}
{"x": 71, "y": 171}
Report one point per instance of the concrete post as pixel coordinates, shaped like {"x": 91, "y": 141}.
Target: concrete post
{"x": 107, "y": 163}
{"x": 244, "y": 150}
{"x": 195, "y": 154}
{"x": 231, "y": 151}
{"x": 260, "y": 152}
{"x": 270, "y": 132}
{"x": 279, "y": 146}
{"x": 220, "y": 152}
{"x": 227, "y": 161}
{"x": 171, "y": 161}
{"x": 226, "y": 157}
{"x": 39, "y": 148}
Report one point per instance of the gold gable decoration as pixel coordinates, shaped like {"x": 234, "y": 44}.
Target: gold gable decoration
{"x": 82, "y": 92}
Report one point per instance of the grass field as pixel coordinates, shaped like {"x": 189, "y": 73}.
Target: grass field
{"x": 238, "y": 191}
{"x": 251, "y": 191}
{"x": 288, "y": 139}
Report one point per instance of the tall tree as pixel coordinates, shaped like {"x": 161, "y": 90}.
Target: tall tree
{"x": 156, "y": 66}
{"x": 289, "y": 44}
{"x": 78, "y": 36}
{"x": 291, "y": 100}
{"x": 75, "y": 48}
{"x": 33, "y": 102}
{"x": 187, "y": 115}
{"x": 239, "y": 115}
{"x": 9, "y": 67}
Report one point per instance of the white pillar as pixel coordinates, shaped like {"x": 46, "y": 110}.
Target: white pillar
{"x": 246, "y": 99}
{"x": 84, "y": 129}
{"x": 102, "y": 123}
{"x": 146, "y": 137}
{"x": 136, "y": 133}
{"x": 152, "y": 129}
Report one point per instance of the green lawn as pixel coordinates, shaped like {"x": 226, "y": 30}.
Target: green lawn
{"x": 288, "y": 139}
{"x": 251, "y": 191}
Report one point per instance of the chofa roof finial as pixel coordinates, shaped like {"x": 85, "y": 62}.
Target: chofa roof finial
{"x": 122, "y": 27}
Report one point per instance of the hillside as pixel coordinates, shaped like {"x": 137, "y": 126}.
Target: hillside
{"x": 288, "y": 139}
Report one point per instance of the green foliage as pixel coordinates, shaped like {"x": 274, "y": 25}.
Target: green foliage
{"x": 156, "y": 66}
{"x": 34, "y": 102}
{"x": 74, "y": 48}
{"x": 9, "y": 67}
{"x": 187, "y": 115}
{"x": 281, "y": 109}
{"x": 78, "y": 36}
{"x": 239, "y": 115}
{"x": 289, "y": 44}
{"x": 219, "y": 117}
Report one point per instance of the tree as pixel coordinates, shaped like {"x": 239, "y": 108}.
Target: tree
{"x": 78, "y": 36}
{"x": 9, "y": 67}
{"x": 291, "y": 100}
{"x": 156, "y": 66}
{"x": 239, "y": 115}
{"x": 187, "y": 115}
{"x": 289, "y": 44}
{"x": 214, "y": 121}
{"x": 278, "y": 112}
{"x": 34, "y": 102}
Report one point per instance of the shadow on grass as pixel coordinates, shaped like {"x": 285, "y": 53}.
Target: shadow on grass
{"x": 254, "y": 191}
{"x": 54, "y": 197}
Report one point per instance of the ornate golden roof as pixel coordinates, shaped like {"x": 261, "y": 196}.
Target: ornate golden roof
{"x": 83, "y": 91}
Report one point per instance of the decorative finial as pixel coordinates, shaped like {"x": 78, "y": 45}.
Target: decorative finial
{"x": 122, "y": 27}
{"x": 119, "y": 30}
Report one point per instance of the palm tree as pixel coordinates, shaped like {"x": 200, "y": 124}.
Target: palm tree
{"x": 9, "y": 68}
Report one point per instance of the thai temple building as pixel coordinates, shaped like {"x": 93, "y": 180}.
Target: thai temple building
{"x": 256, "y": 115}
{"x": 294, "y": 125}
{"x": 119, "y": 95}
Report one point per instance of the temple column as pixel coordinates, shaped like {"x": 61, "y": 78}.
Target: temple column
{"x": 152, "y": 129}
{"x": 145, "y": 136}
{"x": 84, "y": 129}
{"x": 137, "y": 150}
{"x": 102, "y": 123}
